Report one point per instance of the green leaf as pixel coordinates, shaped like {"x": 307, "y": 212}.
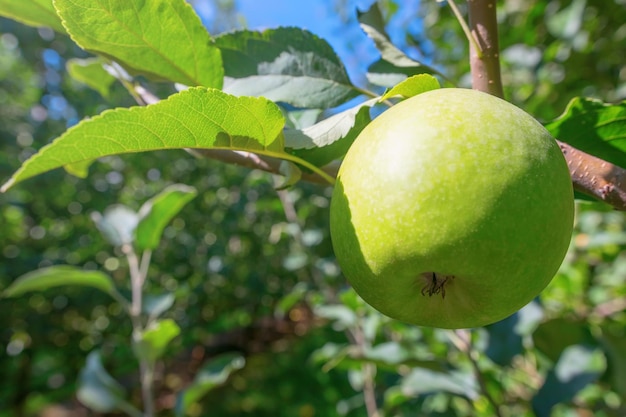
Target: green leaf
{"x": 424, "y": 381}
{"x": 615, "y": 348}
{"x": 152, "y": 342}
{"x": 593, "y": 127}
{"x": 394, "y": 65}
{"x": 578, "y": 366}
{"x": 56, "y": 276}
{"x": 194, "y": 118}
{"x": 157, "y": 212}
{"x": 288, "y": 65}
{"x": 117, "y": 224}
{"x": 330, "y": 138}
{"x": 32, "y": 13}
{"x": 554, "y": 336}
{"x": 91, "y": 72}
{"x": 412, "y": 86}
{"x": 155, "y": 305}
{"x": 212, "y": 375}
{"x": 291, "y": 175}
{"x": 160, "y": 39}
{"x": 98, "y": 390}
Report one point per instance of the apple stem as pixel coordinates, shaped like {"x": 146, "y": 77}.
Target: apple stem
{"x": 591, "y": 175}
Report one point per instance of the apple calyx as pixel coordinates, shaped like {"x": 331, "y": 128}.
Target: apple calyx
{"x": 435, "y": 284}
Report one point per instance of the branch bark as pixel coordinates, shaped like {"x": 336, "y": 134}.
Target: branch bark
{"x": 592, "y": 176}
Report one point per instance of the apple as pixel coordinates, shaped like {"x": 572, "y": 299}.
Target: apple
{"x": 452, "y": 209}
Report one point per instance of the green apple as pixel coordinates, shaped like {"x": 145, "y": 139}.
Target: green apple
{"x": 452, "y": 209}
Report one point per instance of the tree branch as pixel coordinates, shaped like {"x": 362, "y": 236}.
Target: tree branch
{"x": 590, "y": 175}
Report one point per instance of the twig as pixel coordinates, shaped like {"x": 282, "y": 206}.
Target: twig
{"x": 462, "y": 339}
{"x": 138, "y": 273}
{"x": 264, "y": 163}
{"x": 590, "y": 175}
{"x": 368, "y": 369}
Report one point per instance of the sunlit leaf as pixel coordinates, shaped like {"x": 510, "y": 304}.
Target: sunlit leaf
{"x": 91, "y": 72}
{"x": 413, "y": 86}
{"x": 594, "y": 127}
{"x": 330, "y": 138}
{"x": 212, "y": 375}
{"x": 56, "y": 276}
{"x": 161, "y": 39}
{"x": 394, "y": 65}
{"x": 423, "y": 381}
{"x": 153, "y": 341}
{"x": 341, "y": 316}
{"x": 194, "y": 118}
{"x": 289, "y": 65}
{"x": 157, "y": 212}
{"x": 32, "y": 12}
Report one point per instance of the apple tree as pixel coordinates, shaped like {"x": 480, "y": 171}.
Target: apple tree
{"x": 188, "y": 109}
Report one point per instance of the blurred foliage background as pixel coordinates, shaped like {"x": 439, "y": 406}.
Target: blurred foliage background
{"x": 252, "y": 268}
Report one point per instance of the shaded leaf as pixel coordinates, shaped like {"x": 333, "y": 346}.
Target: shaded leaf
{"x": 505, "y": 338}
{"x": 155, "y": 305}
{"x": 615, "y": 348}
{"x": 97, "y": 389}
{"x": 161, "y": 39}
{"x": 593, "y": 127}
{"x": 554, "y": 336}
{"x": 32, "y": 13}
{"x": 91, "y": 72}
{"x": 395, "y": 65}
{"x": 413, "y": 86}
{"x": 578, "y": 366}
{"x": 157, "y": 212}
{"x": 152, "y": 342}
{"x": 117, "y": 224}
{"x": 291, "y": 175}
{"x": 331, "y": 138}
{"x": 503, "y": 343}
{"x": 56, "y": 276}
{"x": 288, "y": 65}
{"x": 194, "y": 118}
{"x": 212, "y": 375}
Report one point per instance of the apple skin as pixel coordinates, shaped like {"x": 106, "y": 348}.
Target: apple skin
{"x": 452, "y": 209}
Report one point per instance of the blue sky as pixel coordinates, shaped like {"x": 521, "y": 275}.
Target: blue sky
{"x": 319, "y": 17}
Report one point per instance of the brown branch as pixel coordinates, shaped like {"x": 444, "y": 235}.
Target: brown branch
{"x": 596, "y": 177}
{"x": 264, "y": 163}
{"x": 485, "y": 63}
{"x": 590, "y": 175}
{"x": 250, "y": 160}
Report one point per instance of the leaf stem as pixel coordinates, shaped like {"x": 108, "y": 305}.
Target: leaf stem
{"x": 466, "y": 29}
